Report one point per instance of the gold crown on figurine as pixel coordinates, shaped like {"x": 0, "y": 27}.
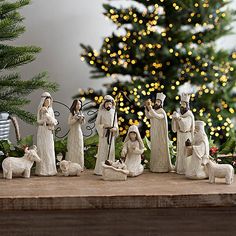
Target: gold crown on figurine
{"x": 161, "y": 96}
{"x": 185, "y": 97}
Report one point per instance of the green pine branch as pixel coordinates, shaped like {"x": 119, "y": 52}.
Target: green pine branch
{"x": 12, "y": 56}
{"x": 14, "y": 90}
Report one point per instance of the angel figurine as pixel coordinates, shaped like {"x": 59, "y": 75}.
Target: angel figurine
{"x": 75, "y": 141}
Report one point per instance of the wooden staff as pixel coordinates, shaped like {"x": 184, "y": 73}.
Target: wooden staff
{"x": 113, "y": 123}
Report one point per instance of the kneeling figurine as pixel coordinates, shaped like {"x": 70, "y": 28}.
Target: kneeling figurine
{"x": 132, "y": 150}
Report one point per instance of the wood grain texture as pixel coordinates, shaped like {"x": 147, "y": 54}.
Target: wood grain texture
{"x": 121, "y": 222}
{"x": 149, "y": 190}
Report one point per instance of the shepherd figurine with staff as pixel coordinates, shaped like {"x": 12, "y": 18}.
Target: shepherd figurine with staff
{"x": 107, "y": 128}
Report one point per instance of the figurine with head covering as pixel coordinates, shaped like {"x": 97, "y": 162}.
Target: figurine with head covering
{"x": 199, "y": 151}
{"x": 132, "y": 151}
{"x": 107, "y": 128}
{"x": 183, "y": 124}
{"x": 160, "y": 158}
{"x": 45, "y": 143}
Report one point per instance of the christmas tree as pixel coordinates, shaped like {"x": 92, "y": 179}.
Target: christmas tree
{"x": 14, "y": 90}
{"x": 162, "y": 45}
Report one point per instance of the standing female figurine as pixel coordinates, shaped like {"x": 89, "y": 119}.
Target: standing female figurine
{"x": 75, "y": 142}
{"x": 132, "y": 150}
{"x": 45, "y": 143}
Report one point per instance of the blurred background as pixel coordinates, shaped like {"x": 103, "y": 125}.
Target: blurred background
{"x": 58, "y": 27}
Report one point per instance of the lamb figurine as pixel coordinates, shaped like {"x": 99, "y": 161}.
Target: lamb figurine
{"x": 47, "y": 119}
{"x": 219, "y": 171}
{"x": 69, "y": 168}
{"x": 20, "y": 166}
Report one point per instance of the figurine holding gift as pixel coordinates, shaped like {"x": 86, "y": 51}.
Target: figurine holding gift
{"x": 160, "y": 157}
{"x": 199, "y": 150}
{"x": 183, "y": 124}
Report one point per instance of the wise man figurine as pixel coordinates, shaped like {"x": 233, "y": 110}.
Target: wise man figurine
{"x": 199, "y": 150}
{"x": 183, "y": 124}
{"x": 107, "y": 128}
{"x": 160, "y": 158}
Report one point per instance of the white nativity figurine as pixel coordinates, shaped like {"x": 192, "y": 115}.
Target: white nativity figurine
{"x": 20, "y": 166}
{"x": 75, "y": 141}
{"x": 160, "y": 158}
{"x": 199, "y": 149}
{"x": 132, "y": 150}
{"x": 219, "y": 171}
{"x": 69, "y": 168}
{"x": 107, "y": 128}
{"x": 45, "y": 142}
{"x": 118, "y": 164}
{"x": 114, "y": 170}
{"x": 183, "y": 124}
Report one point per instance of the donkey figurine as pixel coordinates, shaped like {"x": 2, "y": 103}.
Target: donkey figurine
{"x": 20, "y": 166}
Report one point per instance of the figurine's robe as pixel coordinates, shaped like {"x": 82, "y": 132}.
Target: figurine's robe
{"x": 132, "y": 153}
{"x": 45, "y": 145}
{"x": 105, "y": 119}
{"x": 184, "y": 126}
{"x": 194, "y": 168}
{"x": 160, "y": 158}
{"x": 75, "y": 142}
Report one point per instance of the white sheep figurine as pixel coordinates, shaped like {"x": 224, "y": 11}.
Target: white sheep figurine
{"x": 20, "y": 166}
{"x": 69, "y": 168}
{"x": 219, "y": 171}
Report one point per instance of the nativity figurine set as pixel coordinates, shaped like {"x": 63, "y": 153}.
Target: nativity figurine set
{"x": 192, "y": 160}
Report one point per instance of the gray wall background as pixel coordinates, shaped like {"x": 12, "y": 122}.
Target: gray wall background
{"x": 58, "y": 27}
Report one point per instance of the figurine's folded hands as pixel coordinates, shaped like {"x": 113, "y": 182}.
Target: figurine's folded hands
{"x": 82, "y": 119}
{"x": 138, "y": 151}
{"x": 75, "y": 117}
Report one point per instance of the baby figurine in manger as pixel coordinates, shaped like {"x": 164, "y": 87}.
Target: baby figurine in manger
{"x": 130, "y": 161}
{"x": 114, "y": 170}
